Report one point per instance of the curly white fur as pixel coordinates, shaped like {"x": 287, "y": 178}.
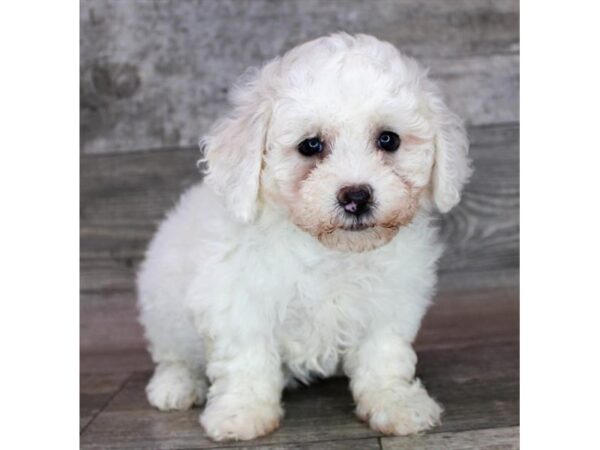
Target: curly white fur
{"x": 255, "y": 279}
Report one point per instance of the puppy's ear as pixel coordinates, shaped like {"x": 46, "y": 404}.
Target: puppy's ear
{"x": 452, "y": 167}
{"x": 234, "y": 148}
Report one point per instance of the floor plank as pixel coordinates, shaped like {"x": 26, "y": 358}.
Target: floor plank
{"x": 466, "y": 318}
{"x": 480, "y": 362}
{"x": 491, "y": 439}
{"x": 95, "y": 391}
{"x": 345, "y": 444}
{"x": 99, "y": 361}
{"x": 108, "y": 321}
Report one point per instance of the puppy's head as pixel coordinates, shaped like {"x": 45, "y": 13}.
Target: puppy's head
{"x": 345, "y": 135}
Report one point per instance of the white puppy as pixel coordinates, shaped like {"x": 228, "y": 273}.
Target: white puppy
{"x": 309, "y": 246}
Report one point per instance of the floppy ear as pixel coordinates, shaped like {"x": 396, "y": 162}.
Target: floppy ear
{"x": 452, "y": 167}
{"x": 234, "y": 148}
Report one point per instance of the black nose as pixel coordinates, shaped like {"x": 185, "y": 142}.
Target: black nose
{"x": 355, "y": 199}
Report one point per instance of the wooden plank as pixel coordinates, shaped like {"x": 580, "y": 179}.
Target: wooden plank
{"x": 480, "y": 280}
{"x": 156, "y": 74}
{"x": 344, "y": 444}
{"x": 457, "y": 319}
{"x": 482, "y": 90}
{"x": 108, "y": 321}
{"x": 98, "y": 361}
{"x": 107, "y": 275}
{"x": 483, "y": 231}
{"x": 478, "y": 387}
{"x": 124, "y": 196}
{"x": 492, "y": 439}
{"x": 469, "y": 363}
{"x": 95, "y": 391}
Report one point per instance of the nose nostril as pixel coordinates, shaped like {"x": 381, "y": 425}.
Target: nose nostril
{"x": 359, "y": 196}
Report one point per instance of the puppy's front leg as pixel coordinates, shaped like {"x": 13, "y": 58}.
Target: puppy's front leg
{"x": 244, "y": 398}
{"x": 388, "y": 397}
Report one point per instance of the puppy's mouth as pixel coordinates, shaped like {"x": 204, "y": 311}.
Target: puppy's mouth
{"x": 358, "y": 223}
{"x": 357, "y": 227}
{"x": 358, "y": 236}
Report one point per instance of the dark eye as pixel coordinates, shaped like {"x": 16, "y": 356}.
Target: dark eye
{"x": 388, "y": 141}
{"x": 311, "y": 146}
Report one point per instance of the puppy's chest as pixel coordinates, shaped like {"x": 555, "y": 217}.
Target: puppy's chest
{"x": 323, "y": 318}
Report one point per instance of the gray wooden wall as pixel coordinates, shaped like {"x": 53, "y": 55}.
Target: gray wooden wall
{"x": 155, "y": 74}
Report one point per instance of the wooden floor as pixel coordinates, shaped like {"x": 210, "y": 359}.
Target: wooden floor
{"x": 468, "y": 358}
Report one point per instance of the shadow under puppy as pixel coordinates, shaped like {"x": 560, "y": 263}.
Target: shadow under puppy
{"x": 309, "y": 246}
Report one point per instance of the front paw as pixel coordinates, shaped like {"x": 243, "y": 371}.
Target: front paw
{"x": 224, "y": 421}
{"x": 403, "y": 410}
{"x": 173, "y": 387}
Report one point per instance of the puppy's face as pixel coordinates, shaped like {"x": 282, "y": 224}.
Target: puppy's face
{"x": 353, "y": 141}
{"x": 349, "y": 156}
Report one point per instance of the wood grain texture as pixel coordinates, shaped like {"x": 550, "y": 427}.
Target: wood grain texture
{"x": 459, "y": 319}
{"x": 106, "y": 361}
{"x": 123, "y": 197}
{"x": 108, "y": 321}
{"x": 477, "y": 385}
{"x": 493, "y": 439}
{"x": 483, "y": 231}
{"x": 342, "y": 444}
{"x": 156, "y": 74}
{"x": 95, "y": 391}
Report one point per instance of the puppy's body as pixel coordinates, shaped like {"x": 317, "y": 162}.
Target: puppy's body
{"x": 257, "y": 279}
{"x": 319, "y": 303}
